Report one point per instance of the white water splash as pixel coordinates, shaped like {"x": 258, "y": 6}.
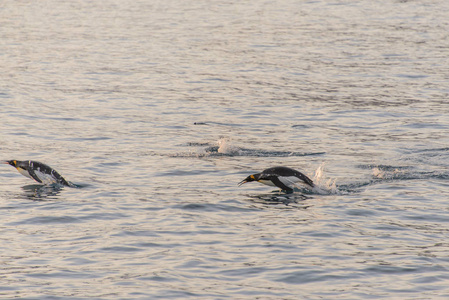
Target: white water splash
{"x": 225, "y": 147}
{"x": 384, "y": 174}
{"x": 324, "y": 185}
{"x": 378, "y": 173}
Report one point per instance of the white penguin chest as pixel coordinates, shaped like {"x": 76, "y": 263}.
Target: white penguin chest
{"x": 24, "y": 172}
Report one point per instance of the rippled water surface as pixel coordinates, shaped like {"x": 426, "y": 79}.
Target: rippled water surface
{"x": 157, "y": 109}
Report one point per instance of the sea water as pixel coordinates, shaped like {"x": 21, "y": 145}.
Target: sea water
{"x": 158, "y": 109}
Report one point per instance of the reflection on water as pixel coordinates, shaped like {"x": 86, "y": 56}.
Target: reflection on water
{"x": 277, "y": 198}
{"x": 38, "y": 192}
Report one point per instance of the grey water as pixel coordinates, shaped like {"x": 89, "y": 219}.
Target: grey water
{"x": 157, "y": 109}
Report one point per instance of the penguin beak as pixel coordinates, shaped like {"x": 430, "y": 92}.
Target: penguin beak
{"x": 9, "y": 162}
{"x": 242, "y": 182}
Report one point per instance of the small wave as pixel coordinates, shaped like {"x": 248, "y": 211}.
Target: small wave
{"x": 78, "y": 185}
{"x": 388, "y": 173}
{"x": 384, "y": 167}
{"x": 211, "y": 207}
{"x": 225, "y": 147}
{"x": 403, "y": 175}
{"x": 445, "y": 149}
{"x": 436, "y": 157}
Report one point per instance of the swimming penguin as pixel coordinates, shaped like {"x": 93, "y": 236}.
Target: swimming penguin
{"x": 282, "y": 177}
{"x": 38, "y": 171}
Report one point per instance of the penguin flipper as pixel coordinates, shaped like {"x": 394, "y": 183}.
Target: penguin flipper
{"x": 33, "y": 175}
{"x": 280, "y": 184}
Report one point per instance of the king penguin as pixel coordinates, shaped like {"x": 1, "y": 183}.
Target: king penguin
{"x": 282, "y": 177}
{"x": 38, "y": 171}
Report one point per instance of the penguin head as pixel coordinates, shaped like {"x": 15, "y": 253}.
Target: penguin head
{"x": 11, "y": 162}
{"x": 248, "y": 179}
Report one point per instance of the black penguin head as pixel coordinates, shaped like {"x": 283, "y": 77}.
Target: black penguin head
{"x": 11, "y": 162}
{"x": 248, "y": 179}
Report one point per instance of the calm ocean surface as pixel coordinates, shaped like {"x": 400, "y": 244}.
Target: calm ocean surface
{"x": 157, "y": 109}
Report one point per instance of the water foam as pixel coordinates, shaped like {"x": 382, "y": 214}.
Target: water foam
{"x": 323, "y": 185}
{"x": 225, "y": 147}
